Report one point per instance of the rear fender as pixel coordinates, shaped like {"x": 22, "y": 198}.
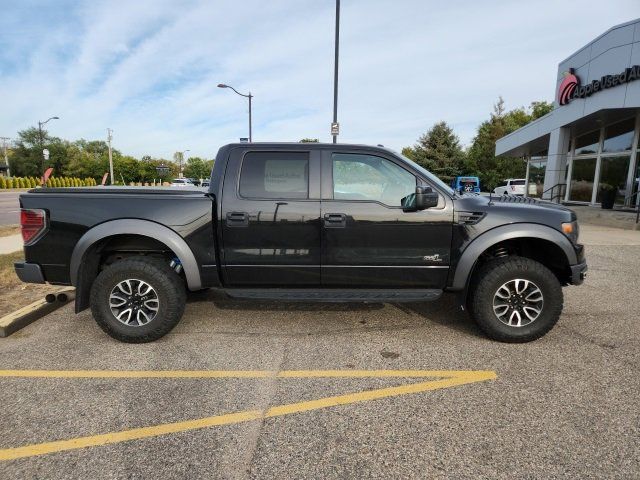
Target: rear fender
{"x": 145, "y": 228}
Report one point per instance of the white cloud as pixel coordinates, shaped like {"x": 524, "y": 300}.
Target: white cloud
{"x": 148, "y": 69}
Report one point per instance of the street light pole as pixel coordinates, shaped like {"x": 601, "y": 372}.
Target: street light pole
{"x": 249, "y": 96}
{"x": 40, "y": 124}
{"x": 334, "y": 126}
{"x": 6, "y": 157}
{"x": 181, "y": 158}
{"x": 109, "y": 137}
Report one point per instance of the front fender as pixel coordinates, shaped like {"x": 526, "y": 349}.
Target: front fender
{"x": 137, "y": 227}
{"x": 496, "y": 235}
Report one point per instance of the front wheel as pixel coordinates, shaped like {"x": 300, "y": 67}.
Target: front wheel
{"x": 515, "y": 299}
{"x": 138, "y": 300}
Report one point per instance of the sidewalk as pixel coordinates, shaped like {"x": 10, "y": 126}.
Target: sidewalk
{"x": 10, "y": 244}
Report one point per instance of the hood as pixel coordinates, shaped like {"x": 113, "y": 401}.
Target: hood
{"x": 513, "y": 209}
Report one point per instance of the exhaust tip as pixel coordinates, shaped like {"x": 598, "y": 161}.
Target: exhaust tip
{"x": 50, "y": 298}
{"x": 62, "y": 297}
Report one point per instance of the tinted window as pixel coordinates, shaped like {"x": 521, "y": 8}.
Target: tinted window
{"x": 367, "y": 177}
{"x": 588, "y": 143}
{"x": 619, "y": 137}
{"x": 518, "y": 182}
{"x": 275, "y": 175}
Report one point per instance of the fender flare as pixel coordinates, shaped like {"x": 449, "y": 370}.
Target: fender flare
{"x": 473, "y": 251}
{"x": 138, "y": 227}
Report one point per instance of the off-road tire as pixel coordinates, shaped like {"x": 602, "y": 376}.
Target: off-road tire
{"x": 495, "y": 273}
{"x": 169, "y": 287}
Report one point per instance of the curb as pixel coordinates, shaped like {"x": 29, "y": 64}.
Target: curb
{"x": 22, "y": 317}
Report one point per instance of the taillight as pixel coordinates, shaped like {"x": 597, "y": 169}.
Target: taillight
{"x": 33, "y": 223}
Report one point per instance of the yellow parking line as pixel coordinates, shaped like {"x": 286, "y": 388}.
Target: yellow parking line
{"x": 454, "y": 378}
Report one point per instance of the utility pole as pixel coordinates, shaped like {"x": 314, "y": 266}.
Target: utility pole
{"x": 109, "y": 137}
{"x": 335, "y": 127}
{"x": 6, "y": 158}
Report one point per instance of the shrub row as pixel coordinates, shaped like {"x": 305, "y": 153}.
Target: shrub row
{"x": 32, "y": 182}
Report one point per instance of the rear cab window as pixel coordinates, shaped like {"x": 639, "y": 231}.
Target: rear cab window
{"x": 275, "y": 175}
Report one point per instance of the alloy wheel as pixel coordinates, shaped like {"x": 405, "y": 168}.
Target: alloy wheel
{"x": 134, "y": 302}
{"x": 518, "y": 302}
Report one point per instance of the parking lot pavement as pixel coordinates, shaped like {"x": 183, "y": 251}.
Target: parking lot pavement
{"x": 565, "y": 406}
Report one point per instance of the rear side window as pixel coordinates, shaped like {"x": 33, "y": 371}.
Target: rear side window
{"x": 518, "y": 182}
{"x": 275, "y": 175}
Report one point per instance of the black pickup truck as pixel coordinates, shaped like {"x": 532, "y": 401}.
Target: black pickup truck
{"x": 307, "y": 222}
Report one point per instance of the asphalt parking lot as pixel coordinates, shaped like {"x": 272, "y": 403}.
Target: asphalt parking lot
{"x": 275, "y": 391}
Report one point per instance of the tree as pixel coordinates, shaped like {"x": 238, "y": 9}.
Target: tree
{"x": 481, "y": 159}
{"x": 309, "y": 140}
{"x": 197, "y": 167}
{"x": 439, "y": 151}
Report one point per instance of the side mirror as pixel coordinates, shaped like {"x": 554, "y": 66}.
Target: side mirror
{"x": 424, "y": 198}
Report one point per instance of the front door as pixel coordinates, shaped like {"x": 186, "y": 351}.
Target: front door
{"x": 271, "y": 219}
{"x": 367, "y": 239}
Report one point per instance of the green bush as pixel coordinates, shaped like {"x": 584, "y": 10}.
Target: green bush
{"x": 3, "y": 184}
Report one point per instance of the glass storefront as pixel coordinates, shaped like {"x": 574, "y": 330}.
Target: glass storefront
{"x": 537, "y": 169}
{"x": 608, "y": 160}
{"x": 619, "y": 137}
{"x": 582, "y": 175}
{"x": 613, "y": 174}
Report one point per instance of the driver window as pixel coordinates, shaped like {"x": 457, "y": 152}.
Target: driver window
{"x": 367, "y": 177}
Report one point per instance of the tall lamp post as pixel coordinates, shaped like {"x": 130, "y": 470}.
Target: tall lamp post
{"x": 181, "y": 158}
{"x": 335, "y": 127}
{"x": 40, "y": 124}
{"x": 249, "y": 96}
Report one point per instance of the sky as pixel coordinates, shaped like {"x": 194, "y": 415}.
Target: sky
{"x": 148, "y": 69}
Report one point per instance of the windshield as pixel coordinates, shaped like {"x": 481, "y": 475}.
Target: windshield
{"x": 430, "y": 176}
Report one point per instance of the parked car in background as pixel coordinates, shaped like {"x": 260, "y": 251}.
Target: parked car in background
{"x": 182, "y": 182}
{"x": 511, "y": 186}
{"x": 466, "y": 184}
{"x": 195, "y": 181}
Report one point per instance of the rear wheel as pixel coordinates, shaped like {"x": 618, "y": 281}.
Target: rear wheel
{"x": 138, "y": 300}
{"x": 515, "y": 299}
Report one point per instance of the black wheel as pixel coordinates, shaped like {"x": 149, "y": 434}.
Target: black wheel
{"x": 515, "y": 299}
{"x": 138, "y": 299}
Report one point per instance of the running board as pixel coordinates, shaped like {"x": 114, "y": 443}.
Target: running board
{"x": 335, "y": 294}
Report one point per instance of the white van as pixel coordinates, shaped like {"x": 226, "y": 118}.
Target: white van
{"x": 511, "y": 186}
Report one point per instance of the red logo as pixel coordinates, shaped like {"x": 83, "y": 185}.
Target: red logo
{"x": 568, "y": 85}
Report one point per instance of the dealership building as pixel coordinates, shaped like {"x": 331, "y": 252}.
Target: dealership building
{"x": 587, "y": 146}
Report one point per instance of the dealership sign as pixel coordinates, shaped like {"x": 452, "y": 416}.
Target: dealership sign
{"x": 571, "y": 88}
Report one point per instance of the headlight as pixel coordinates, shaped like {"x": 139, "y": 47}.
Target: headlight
{"x": 571, "y": 230}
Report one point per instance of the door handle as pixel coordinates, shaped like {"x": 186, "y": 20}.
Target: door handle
{"x": 237, "y": 219}
{"x": 335, "y": 220}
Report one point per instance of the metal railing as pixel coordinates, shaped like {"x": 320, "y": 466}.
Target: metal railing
{"x": 627, "y": 201}
{"x": 559, "y": 194}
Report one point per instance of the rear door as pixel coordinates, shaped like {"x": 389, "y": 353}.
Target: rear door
{"x": 367, "y": 239}
{"x": 271, "y": 218}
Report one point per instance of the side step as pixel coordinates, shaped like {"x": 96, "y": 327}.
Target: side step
{"x": 335, "y": 294}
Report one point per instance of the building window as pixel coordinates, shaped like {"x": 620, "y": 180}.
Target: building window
{"x": 588, "y": 144}
{"x": 619, "y": 137}
{"x": 537, "y": 170}
{"x": 582, "y": 175}
{"x": 613, "y": 173}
